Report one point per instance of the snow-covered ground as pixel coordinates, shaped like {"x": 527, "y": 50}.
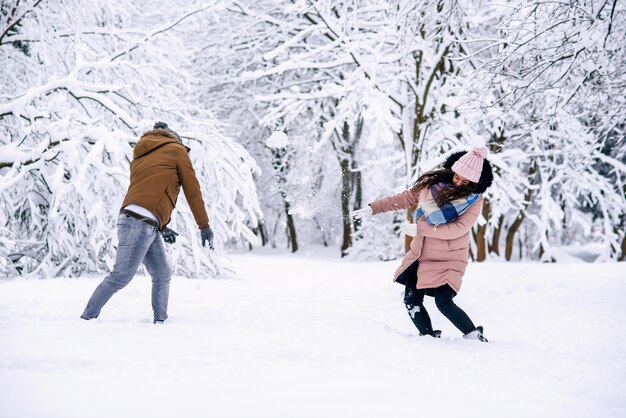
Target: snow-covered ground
{"x": 309, "y": 335}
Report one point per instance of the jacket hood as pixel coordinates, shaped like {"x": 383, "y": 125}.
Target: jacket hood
{"x": 486, "y": 176}
{"x": 152, "y": 140}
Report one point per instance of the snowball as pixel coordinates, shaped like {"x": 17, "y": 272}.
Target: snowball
{"x": 277, "y": 140}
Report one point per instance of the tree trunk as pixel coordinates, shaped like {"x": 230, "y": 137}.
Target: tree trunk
{"x": 407, "y": 238}
{"x": 322, "y": 232}
{"x": 345, "y": 206}
{"x": 621, "y": 255}
{"x": 281, "y": 168}
{"x": 358, "y": 189}
{"x": 495, "y": 241}
{"x": 345, "y": 146}
{"x": 510, "y": 236}
{"x": 291, "y": 229}
{"x": 481, "y": 230}
{"x": 260, "y": 232}
{"x": 358, "y": 193}
{"x": 481, "y": 243}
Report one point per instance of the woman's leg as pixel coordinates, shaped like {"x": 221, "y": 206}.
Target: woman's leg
{"x": 414, "y": 302}
{"x": 456, "y": 315}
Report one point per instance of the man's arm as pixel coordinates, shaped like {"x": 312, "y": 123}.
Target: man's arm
{"x": 191, "y": 187}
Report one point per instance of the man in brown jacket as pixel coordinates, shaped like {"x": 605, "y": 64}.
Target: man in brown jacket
{"x": 160, "y": 166}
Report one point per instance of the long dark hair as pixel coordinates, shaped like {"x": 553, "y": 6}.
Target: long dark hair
{"x": 447, "y": 194}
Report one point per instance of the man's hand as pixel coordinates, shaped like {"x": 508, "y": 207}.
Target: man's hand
{"x": 207, "y": 236}
{"x": 362, "y": 213}
{"x": 169, "y": 235}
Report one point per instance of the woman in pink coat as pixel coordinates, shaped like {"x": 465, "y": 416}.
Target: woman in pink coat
{"x": 448, "y": 201}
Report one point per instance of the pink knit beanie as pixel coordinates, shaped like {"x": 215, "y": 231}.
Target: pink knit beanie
{"x": 470, "y": 165}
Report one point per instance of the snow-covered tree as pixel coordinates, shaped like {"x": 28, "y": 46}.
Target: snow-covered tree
{"x": 370, "y": 93}
{"x": 79, "y": 85}
{"x": 343, "y": 74}
{"x": 551, "y": 75}
{"x": 526, "y": 78}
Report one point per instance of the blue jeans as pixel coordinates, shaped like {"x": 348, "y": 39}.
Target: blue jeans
{"x": 138, "y": 242}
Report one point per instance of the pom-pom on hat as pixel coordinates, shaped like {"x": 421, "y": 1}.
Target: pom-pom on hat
{"x": 163, "y": 125}
{"x": 470, "y": 165}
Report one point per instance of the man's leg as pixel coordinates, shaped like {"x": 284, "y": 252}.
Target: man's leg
{"x": 159, "y": 268}
{"x": 134, "y": 239}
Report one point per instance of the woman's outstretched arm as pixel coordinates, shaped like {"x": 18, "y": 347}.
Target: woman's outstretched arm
{"x": 404, "y": 200}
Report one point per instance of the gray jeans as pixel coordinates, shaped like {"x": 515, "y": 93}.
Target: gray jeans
{"x": 138, "y": 242}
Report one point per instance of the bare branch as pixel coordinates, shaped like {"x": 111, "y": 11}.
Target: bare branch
{"x": 17, "y": 21}
{"x": 610, "y": 22}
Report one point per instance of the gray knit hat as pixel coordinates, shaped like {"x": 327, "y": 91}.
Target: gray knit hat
{"x": 163, "y": 125}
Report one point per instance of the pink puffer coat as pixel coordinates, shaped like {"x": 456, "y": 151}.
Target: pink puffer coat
{"x": 442, "y": 250}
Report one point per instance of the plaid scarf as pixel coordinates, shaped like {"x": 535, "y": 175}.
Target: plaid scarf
{"x": 436, "y": 215}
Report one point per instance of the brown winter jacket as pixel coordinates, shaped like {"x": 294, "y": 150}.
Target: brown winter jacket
{"x": 442, "y": 250}
{"x": 160, "y": 166}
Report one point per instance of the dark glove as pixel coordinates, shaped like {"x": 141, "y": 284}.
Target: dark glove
{"x": 169, "y": 235}
{"x": 207, "y": 236}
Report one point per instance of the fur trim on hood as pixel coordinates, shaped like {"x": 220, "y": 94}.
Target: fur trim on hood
{"x": 486, "y": 176}
{"x": 162, "y": 132}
